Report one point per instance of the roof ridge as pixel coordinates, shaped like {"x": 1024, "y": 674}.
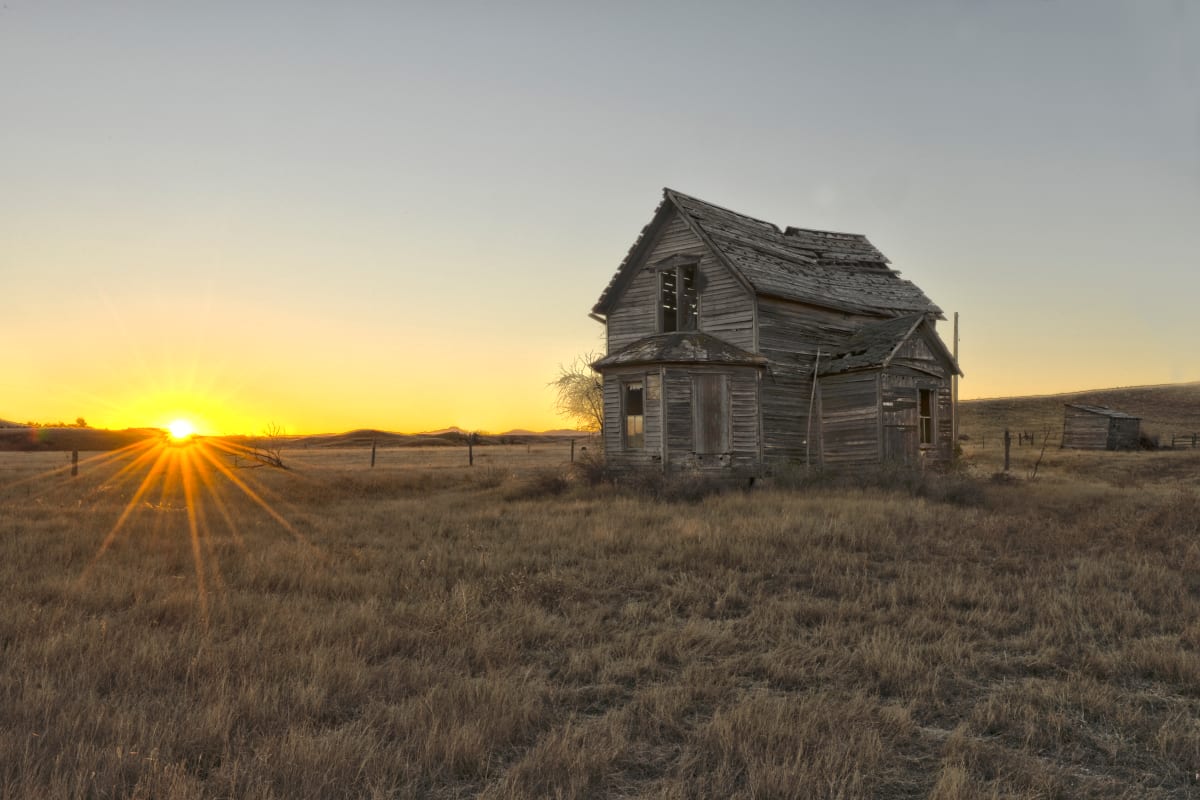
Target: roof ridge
{"x": 677, "y": 193}
{"x": 792, "y": 230}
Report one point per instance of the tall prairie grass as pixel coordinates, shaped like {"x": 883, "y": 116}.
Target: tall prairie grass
{"x": 460, "y": 633}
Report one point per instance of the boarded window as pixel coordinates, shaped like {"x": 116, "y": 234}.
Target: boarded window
{"x": 925, "y": 414}
{"x": 711, "y": 402}
{"x": 679, "y": 298}
{"x": 635, "y": 419}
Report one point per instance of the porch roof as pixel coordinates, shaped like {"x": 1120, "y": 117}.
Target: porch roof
{"x": 680, "y": 347}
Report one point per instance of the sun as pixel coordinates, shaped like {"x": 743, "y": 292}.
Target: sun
{"x": 181, "y": 429}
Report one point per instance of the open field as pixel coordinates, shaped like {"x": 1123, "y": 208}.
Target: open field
{"x": 1165, "y": 410}
{"x": 425, "y": 629}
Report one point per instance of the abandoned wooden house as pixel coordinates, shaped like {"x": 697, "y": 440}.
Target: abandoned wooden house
{"x": 1099, "y": 428}
{"x": 736, "y": 347}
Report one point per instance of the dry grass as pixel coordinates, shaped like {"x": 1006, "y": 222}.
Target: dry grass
{"x": 1165, "y": 410}
{"x": 445, "y": 632}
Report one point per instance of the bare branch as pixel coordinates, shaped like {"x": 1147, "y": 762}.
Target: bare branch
{"x": 580, "y": 392}
{"x": 267, "y": 450}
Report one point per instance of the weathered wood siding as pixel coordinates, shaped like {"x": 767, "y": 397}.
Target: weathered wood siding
{"x": 649, "y": 455}
{"x": 916, "y": 365}
{"x": 1084, "y": 430}
{"x": 789, "y": 335}
{"x": 683, "y": 422}
{"x": 1124, "y": 434}
{"x": 677, "y": 393}
{"x": 850, "y": 419}
{"x": 726, "y": 308}
{"x": 899, "y": 391}
{"x": 946, "y": 446}
{"x": 917, "y": 353}
{"x": 1087, "y": 430}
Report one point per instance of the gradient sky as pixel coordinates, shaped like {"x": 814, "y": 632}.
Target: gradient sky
{"x": 336, "y": 215}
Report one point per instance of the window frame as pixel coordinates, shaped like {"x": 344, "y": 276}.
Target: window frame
{"x": 684, "y": 315}
{"x": 636, "y": 441}
{"x": 927, "y": 422}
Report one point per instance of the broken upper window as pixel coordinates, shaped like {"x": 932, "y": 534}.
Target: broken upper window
{"x": 679, "y": 298}
{"x": 925, "y": 414}
{"x": 635, "y": 420}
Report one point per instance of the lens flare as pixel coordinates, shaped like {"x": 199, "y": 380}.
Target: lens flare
{"x": 180, "y": 429}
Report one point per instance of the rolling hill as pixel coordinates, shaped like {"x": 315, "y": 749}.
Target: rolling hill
{"x": 1165, "y": 410}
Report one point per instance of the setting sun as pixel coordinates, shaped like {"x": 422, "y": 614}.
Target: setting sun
{"x": 180, "y": 429}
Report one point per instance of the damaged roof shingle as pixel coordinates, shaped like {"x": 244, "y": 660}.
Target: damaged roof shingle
{"x": 874, "y": 345}
{"x": 835, "y": 270}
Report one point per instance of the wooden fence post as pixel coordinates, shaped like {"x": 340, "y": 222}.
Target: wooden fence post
{"x": 372, "y": 454}
{"x": 74, "y": 463}
{"x": 1007, "y": 445}
{"x": 572, "y": 451}
{"x": 470, "y": 449}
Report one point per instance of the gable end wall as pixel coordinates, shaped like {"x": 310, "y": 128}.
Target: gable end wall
{"x": 726, "y": 308}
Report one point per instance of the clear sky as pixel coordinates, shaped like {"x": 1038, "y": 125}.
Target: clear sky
{"x": 334, "y": 215}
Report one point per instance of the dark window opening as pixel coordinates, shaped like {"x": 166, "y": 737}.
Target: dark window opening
{"x": 925, "y": 414}
{"x": 679, "y": 299}
{"x": 635, "y": 435}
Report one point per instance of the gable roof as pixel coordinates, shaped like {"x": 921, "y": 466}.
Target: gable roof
{"x": 685, "y": 347}
{"x": 1102, "y": 410}
{"x": 836, "y": 270}
{"x": 875, "y": 344}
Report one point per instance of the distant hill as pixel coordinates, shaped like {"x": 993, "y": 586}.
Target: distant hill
{"x": 6, "y": 424}
{"x": 23, "y": 438}
{"x": 447, "y": 437}
{"x": 559, "y": 433}
{"x": 364, "y": 437}
{"x": 1164, "y": 409}
{"x": 19, "y": 437}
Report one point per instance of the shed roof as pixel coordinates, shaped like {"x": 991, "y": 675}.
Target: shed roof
{"x": 874, "y": 344}
{"x": 1102, "y": 410}
{"x": 687, "y": 347}
{"x": 835, "y": 270}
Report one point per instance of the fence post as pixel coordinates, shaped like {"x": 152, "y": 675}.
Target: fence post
{"x": 372, "y": 454}
{"x": 1007, "y": 445}
{"x": 74, "y": 463}
{"x": 572, "y": 451}
{"x": 470, "y": 449}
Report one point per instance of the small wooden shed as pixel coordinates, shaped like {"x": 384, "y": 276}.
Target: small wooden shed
{"x": 1099, "y": 428}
